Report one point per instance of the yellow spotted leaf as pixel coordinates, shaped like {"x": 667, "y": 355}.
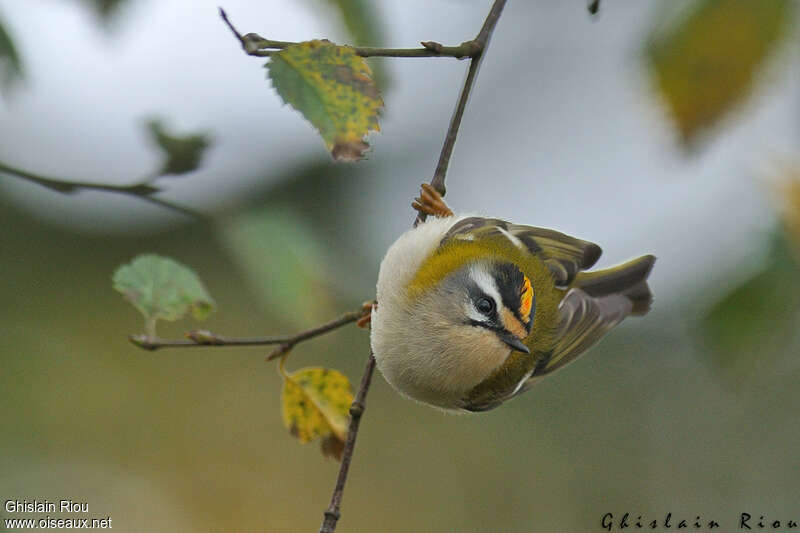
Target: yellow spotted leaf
{"x": 332, "y": 87}
{"x": 707, "y": 61}
{"x": 315, "y": 404}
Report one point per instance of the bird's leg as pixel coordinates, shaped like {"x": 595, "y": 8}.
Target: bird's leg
{"x": 365, "y": 320}
{"x": 430, "y": 202}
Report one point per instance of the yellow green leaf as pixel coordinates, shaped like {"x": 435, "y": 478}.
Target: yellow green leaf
{"x": 315, "y": 404}
{"x": 706, "y": 62}
{"x": 332, "y": 87}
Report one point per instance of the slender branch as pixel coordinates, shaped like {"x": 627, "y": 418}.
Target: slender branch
{"x": 481, "y": 41}
{"x": 332, "y": 513}
{"x": 437, "y": 182}
{"x": 489, "y": 24}
{"x": 255, "y": 45}
{"x": 230, "y": 25}
{"x": 142, "y": 190}
{"x": 286, "y": 342}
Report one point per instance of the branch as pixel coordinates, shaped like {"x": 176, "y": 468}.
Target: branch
{"x": 332, "y": 513}
{"x": 481, "y": 41}
{"x": 255, "y": 45}
{"x": 198, "y": 338}
{"x": 142, "y": 190}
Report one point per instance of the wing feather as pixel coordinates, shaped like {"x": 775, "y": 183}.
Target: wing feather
{"x": 584, "y": 321}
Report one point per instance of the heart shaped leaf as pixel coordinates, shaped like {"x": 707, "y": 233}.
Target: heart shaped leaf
{"x": 161, "y": 288}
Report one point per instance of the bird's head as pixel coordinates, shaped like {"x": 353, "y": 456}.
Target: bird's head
{"x": 485, "y": 300}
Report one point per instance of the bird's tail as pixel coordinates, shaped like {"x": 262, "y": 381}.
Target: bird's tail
{"x": 628, "y": 279}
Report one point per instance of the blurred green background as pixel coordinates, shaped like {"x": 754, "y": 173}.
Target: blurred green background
{"x": 657, "y": 127}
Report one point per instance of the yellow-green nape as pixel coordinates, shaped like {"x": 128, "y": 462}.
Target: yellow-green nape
{"x": 445, "y": 260}
{"x": 456, "y": 254}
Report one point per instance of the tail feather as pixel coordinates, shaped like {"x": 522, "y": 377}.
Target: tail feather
{"x": 628, "y": 279}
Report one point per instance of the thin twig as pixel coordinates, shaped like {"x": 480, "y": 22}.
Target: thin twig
{"x": 230, "y": 25}
{"x": 481, "y": 41}
{"x": 437, "y": 182}
{"x": 142, "y": 190}
{"x": 255, "y": 45}
{"x": 332, "y": 513}
{"x": 206, "y": 338}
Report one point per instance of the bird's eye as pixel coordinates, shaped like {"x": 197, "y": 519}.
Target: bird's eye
{"x": 485, "y": 305}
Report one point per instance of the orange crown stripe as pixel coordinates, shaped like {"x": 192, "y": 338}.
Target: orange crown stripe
{"x": 526, "y": 300}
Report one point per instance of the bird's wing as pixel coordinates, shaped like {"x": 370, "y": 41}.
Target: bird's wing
{"x": 584, "y": 320}
{"x": 564, "y": 256}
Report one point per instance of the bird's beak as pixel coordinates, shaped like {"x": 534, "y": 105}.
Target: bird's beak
{"x": 514, "y": 342}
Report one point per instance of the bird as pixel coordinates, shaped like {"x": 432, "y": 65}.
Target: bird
{"x": 472, "y": 311}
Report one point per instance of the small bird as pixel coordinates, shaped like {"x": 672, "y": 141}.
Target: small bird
{"x": 473, "y": 311}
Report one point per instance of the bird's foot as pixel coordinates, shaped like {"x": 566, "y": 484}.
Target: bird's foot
{"x": 365, "y": 321}
{"x": 430, "y": 202}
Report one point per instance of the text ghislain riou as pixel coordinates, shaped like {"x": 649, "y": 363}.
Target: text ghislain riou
{"x": 744, "y": 521}
{"x": 45, "y": 506}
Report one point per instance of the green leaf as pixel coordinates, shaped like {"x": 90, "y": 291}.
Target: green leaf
{"x": 10, "y": 63}
{"x": 332, "y": 87}
{"x": 758, "y": 319}
{"x": 707, "y": 62}
{"x": 315, "y": 403}
{"x": 283, "y": 261}
{"x": 161, "y": 288}
{"x": 182, "y": 154}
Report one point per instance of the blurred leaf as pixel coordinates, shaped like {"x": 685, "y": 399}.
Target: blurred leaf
{"x": 161, "y": 288}
{"x": 707, "y": 62}
{"x": 283, "y": 262}
{"x": 759, "y": 318}
{"x": 183, "y": 154}
{"x": 106, "y": 9}
{"x": 315, "y": 404}
{"x": 361, "y": 20}
{"x": 10, "y": 63}
{"x": 790, "y": 210}
{"x": 332, "y": 87}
